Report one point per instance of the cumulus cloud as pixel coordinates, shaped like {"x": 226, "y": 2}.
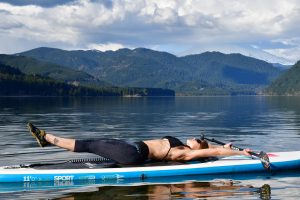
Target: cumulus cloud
{"x": 160, "y": 23}
{"x": 290, "y": 48}
{"x": 106, "y": 47}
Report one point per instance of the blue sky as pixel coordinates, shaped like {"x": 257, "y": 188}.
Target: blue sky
{"x": 266, "y": 29}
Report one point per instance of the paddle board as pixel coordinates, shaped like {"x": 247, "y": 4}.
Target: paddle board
{"x": 231, "y": 164}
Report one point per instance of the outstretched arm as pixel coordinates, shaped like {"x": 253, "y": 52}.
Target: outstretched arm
{"x": 214, "y": 152}
{"x": 228, "y": 145}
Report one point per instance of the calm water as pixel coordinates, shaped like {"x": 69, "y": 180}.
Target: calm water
{"x": 261, "y": 123}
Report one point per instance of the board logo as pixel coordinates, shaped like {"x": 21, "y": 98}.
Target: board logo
{"x": 63, "y": 178}
{"x": 28, "y": 178}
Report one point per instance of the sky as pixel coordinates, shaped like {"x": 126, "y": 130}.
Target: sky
{"x": 265, "y": 29}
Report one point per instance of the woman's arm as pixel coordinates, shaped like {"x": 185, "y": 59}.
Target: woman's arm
{"x": 215, "y": 152}
{"x": 228, "y": 145}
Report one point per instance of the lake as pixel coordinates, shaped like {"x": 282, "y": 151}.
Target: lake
{"x": 257, "y": 122}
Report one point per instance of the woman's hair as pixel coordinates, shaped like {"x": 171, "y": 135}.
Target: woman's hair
{"x": 203, "y": 144}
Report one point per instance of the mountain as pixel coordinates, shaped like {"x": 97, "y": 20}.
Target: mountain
{"x": 250, "y": 51}
{"x": 233, "y": 68}
{"x": 288, "y": 83}
{"x": 29, "y": 65}
{"x": 15, "y": 83}
{"x": 201, "y": 74}
{"x": 114, "y": 66}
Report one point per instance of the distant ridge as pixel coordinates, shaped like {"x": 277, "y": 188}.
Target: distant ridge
{"x": 287, "y": 84}
{"x": 209, "y": 73}
{"x": 29, "y": 65}
{"x": 15, "y": 83}
{"x": 20, "y": 75}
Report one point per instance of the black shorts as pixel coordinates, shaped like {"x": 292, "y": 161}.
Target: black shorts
{"x": 120, "y": 151}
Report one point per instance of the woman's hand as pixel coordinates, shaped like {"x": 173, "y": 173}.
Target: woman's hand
{"x": 247, "y": 152}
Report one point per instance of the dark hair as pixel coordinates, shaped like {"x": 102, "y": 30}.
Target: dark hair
{"x": 203, "y": 144}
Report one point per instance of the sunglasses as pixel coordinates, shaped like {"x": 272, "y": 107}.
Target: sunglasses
{"x": 198, "y": 140}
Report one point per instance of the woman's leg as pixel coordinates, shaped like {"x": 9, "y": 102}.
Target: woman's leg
{"x": 113, "y": 149}
{"x": 65, "y": 143}
{"x": 44, "y": 139}
{"x": 117, "y": 150}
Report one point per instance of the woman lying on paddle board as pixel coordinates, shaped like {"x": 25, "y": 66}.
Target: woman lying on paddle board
{"x": 165, "y": 149}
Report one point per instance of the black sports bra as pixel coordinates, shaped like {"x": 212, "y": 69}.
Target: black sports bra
{"x": 174, "y": 142}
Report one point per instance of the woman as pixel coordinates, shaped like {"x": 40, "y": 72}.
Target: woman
{"x": 166, "y": 149}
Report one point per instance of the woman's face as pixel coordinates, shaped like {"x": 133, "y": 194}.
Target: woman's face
{"x": 193, "y": 144}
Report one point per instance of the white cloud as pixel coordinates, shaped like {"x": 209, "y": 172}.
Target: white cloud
{"x": 291, "y": 54}
{"x": 106, "y": 47}
{"x": 146, "y": 23}
{"x": 290, "y": 48}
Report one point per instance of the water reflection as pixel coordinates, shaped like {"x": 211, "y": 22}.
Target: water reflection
{"x": 189, "y": 190}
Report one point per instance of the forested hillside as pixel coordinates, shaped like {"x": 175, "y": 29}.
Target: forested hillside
{"x": 203, "y": 74}
{"x": 288, "y": 83}
{"x": 29, "y": 65}
{"x": 15, "y": 83}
